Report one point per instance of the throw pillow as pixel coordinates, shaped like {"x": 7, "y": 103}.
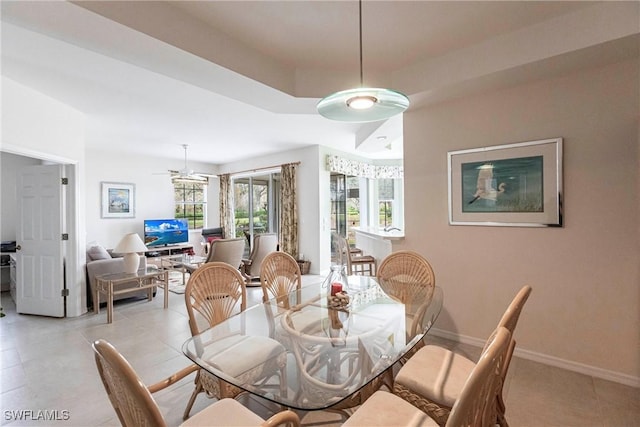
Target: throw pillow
{"x": 98, "y": 252}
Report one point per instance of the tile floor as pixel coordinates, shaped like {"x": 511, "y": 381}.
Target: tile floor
{"x": 47, "y": 364}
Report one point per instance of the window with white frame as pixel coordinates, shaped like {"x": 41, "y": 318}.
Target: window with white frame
{"x": 191, "y": 203}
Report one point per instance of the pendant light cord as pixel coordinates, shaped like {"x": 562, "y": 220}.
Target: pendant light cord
{"x": 360, "y": 19}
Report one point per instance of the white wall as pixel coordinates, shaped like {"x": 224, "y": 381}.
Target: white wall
{"x": 584, "y": 310}
{"x": 37, "y": 126}
{"x": 154, "y": 196}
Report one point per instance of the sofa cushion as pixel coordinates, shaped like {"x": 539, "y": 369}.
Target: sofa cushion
{"x": 96, "y": 252}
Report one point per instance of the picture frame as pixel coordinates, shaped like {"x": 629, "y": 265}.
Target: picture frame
{"x": 118, "y": 200}
{"x": 516, "y": 185}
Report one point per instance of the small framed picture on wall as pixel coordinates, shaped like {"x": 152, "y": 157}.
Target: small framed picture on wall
{"x": 118, "y": 200}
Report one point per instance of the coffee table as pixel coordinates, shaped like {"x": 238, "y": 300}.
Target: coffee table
{"x": 114, "y": 284}
{"x": 180, "y": 262}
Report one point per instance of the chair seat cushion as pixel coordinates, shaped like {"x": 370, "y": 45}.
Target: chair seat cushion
{"x": 305, "y": 321}
{"x": 386, "y": 409}
{"x": 223, "y": 413}
{"x": 436, "y": 373}
{"x": 258, "y": 350}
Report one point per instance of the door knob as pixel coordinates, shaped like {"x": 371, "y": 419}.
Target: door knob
{"x": 18, "y": 247}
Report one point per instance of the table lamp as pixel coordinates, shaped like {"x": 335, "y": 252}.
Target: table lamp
{"x": 130, "y": 245}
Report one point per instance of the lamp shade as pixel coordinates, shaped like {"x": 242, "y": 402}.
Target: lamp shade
{"x": 130, "y": 243}
{"x": 129, "y": 246}
{"x": 363, "y": 105}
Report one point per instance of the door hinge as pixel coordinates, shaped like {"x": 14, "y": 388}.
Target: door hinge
{"x": 65, "y": 236}
{"x": 65, "y": 181}
{"x": 64, "y": 293}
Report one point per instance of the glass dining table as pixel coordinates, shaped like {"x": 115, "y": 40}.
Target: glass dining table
{"x": 332, "y": 352}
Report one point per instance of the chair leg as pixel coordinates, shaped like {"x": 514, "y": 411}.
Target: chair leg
{"x": 502, "y": 421}
{"x": 283, "y": 381}
{"x": 192, "y": 399}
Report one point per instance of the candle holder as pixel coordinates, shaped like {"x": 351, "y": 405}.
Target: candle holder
{"x": 336, "y": 281}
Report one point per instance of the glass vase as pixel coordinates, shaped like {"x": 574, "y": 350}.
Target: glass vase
{"x": 336, "y": 281}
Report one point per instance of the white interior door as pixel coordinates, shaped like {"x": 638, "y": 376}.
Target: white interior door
{"x": 40, "y": 278}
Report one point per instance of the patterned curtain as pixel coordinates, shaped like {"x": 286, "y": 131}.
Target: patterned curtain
{"x": 289, "y": 213}
{"x": 226, "y": 207}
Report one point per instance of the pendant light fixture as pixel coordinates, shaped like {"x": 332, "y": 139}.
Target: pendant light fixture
{"x": 363, "y": 104}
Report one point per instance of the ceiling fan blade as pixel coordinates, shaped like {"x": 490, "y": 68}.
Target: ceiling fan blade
{"x": 207, "y": 174}
{"x": 186, "y": 174}
{"x": 190, "y": 179}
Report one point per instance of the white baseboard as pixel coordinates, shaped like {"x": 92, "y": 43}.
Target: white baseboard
{"x": 547, "y": 360}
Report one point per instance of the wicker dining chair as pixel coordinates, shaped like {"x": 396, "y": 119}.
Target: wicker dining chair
{"x": 433, "y": 378}
{"x": 279, "y": 275}
{"x": 135, "y": 405}
{"x": 356, "y": 264}
{"x": 212, "y": 295}
{"x": 408, "y": 276}
{"x": 328, "y": 365}
{"x": 475, "y": 405}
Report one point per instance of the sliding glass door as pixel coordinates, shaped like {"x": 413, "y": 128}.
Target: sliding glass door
{"x": 256, "y": 205}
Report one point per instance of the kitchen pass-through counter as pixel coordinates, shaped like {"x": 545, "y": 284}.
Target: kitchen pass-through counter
{"x": 376, "y": 241}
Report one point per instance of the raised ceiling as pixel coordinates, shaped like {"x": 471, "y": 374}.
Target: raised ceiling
{"x": 237, "y": 79}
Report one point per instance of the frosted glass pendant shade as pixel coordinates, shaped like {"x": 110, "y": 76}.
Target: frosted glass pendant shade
{"x": 363, "y": 105}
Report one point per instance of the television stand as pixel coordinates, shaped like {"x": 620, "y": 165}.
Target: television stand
{"x": 169, "y": 250}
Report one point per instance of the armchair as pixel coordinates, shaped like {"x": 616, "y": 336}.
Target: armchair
{"x": 223, "y": 250}
{"x": 209, "y": 235}
{"x": 134, "y": 404}
{"x": 263, "y": 245}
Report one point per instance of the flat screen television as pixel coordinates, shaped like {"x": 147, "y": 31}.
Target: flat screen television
{"x": 165, "y": 232}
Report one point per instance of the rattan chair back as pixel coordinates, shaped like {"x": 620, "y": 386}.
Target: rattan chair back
{"x": 130, "y": 398}
{"x": 405, "y": 274}
{"x": 476, "y": 405}
{"x": 510, "y": 320}
{"x": 279, "y": 276}
{"x": 213, "y": 293}
{"x": 512, "y": 314}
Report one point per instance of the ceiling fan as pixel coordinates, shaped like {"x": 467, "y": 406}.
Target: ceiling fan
{"x": 188, "y": 175}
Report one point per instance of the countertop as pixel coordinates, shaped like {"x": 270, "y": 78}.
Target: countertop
{"x": 380, "y": 233}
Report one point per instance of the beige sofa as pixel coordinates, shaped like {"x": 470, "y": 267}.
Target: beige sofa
{"x": 100, "y": 261}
